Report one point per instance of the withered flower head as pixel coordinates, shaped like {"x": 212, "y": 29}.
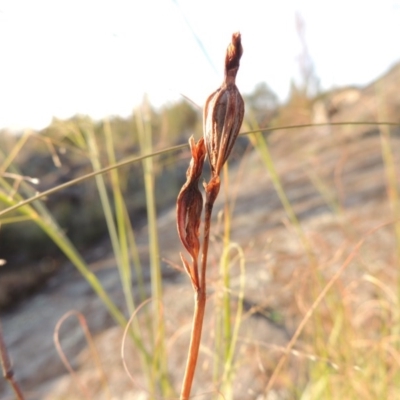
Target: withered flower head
{"x": 232, "y": 59}
{"x": 224, "y": 111}
{"x": 189, "y": 203}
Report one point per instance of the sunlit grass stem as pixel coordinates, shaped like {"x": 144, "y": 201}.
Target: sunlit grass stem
{"x": 117, "y": 236}
{"x": 143, "y": 122}
{"x": 121, "y": 219}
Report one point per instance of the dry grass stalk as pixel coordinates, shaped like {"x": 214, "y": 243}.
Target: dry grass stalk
{"x": 8, "y": 372}
{"x": 223, "y": 116}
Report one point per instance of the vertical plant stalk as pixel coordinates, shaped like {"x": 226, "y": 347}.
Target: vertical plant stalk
{"x": 189, "y": 206}
{"x": 159, "y": 366}
{"x": 8, "y": 372}
{"x": 222, "y": 119}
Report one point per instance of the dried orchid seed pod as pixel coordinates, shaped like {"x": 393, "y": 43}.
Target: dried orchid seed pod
{"x": 189, "y": 203}
{"x": 189, "y": 206}
{"x": 224, "y": 111}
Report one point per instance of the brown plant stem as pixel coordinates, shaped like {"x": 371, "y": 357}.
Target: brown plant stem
{"x": 197, "y": 327}
{"x": 200, "y": 295}
{"x": 8, "y": 372}
{"x": 222, "y": 118}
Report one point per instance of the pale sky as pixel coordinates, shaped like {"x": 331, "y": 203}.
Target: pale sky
{"x": 59, "y": 58}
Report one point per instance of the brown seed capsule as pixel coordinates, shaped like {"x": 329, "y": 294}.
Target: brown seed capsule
{"x": 224, "y": 111}
{"x": 189, "y": 203}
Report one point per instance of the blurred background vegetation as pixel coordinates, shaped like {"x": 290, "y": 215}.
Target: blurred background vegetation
{"x": 323, "y": 171}
{"x": 59, "y": 153}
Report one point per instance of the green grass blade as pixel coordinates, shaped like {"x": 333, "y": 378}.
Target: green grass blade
{"x": 123, "y": 251}
{"x": 143, "y": 121}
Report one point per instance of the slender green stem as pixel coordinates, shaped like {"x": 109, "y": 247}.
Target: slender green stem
{"x": 172, "y": 148}
{"x": 80, "y": 179}
{"x": 225, "y": 270}
{"x": 159, "y": 365}
{"x": 119, "y": 207}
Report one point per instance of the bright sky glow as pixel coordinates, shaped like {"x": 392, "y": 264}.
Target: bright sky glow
{"x": 62, "y": 57}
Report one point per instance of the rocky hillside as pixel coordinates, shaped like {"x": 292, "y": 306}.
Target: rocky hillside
{"x": 338, "y": 180}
